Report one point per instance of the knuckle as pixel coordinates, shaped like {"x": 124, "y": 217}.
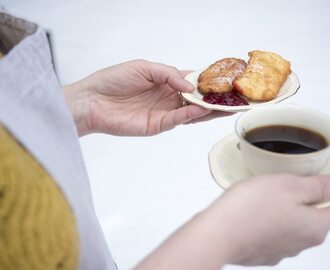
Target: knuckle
{"x": 173, "y": 70}
{"x": 273, "y": 262}
{"x": 140, "y": 60}
{"x": 316, "y": 239}
{"x": 319, "y": 239}
{"x": 294, "y": 254}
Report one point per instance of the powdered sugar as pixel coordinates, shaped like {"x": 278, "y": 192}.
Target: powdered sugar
{"x": 223, "y": 80}
{"x": 256, "y": 67}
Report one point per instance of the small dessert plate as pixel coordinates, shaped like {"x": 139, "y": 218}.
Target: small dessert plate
{"x": 289, "y": 88}
{"x": 227, "y": 166}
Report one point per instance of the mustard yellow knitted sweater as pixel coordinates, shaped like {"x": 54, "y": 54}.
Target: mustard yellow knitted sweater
{"x": 37, "y": 227}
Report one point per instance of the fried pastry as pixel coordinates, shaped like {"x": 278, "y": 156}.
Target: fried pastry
{"x": 218, "y": 77}
{"x": 263, "y": 77}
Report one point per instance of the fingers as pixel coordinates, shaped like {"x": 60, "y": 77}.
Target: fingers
{"x": 162, "y": 74}
{"x": 321, "y": 224}
{"x": 182, "y": 115}
{"x": 316, "y": 189}
{"x": 320, "y": 197}
{"x": 208, "y": 117}
{"x": 188, "y": 115}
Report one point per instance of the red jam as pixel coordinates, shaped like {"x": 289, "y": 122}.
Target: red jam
{"x": 228, "y": 99}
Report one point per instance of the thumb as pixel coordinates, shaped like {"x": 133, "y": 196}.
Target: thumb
{"x": 163, "y": 74}
{"x": 184, "y": 73}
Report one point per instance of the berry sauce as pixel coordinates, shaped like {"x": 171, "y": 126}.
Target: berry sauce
{"x": 228, "y": 99}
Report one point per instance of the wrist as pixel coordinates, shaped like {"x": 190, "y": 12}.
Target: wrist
{"x": 226, "y": 232}
{"x": 196, "y": 245}
{"x": 217, "y": 236}
{"x": 77, "y": 99}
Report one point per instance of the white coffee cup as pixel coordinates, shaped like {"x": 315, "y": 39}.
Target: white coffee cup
{"x": 260, "y": 161}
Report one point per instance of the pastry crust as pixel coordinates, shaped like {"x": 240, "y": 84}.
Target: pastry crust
{"x": 218, "y": 77}
{"x": 263, "y": 76}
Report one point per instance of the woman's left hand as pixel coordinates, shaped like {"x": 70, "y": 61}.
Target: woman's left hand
{"x": 136, "y": 98}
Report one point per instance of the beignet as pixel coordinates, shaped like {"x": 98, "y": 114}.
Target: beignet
{"x": 263, "y": 77}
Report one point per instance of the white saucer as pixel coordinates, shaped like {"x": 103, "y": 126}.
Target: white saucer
{"x": 227, "y": 166}
{"x": 289, "y": 88}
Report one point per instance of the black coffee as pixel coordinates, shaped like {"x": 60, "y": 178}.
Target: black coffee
{"x": 286, "y": 139}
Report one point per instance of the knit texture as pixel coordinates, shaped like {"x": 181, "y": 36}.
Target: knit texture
{"x": 37, "y": 227}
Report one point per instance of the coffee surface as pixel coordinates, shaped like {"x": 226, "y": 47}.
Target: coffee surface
{"x": 286, "y": 139}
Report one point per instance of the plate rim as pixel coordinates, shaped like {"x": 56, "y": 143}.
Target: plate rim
{"x": 215, "y": 107}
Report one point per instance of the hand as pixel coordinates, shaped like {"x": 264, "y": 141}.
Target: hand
{"x": 257, "y": 222}
{"x": 137, "y": 98}
{"x": 268, "y": 218}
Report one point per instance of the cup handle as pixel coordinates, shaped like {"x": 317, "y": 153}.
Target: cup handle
{"x": 238, "y": 145}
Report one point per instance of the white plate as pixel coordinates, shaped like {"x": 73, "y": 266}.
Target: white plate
{"x": 227, "y": 166}
{"x": 289, "y": 88}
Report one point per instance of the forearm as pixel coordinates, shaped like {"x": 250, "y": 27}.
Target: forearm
{"x": 200, "y": 244}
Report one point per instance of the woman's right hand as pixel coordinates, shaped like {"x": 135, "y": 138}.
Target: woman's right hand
{"x": 259, "y": 221}
{"x": 267, "y": 218}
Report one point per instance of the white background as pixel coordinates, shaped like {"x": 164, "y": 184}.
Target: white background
{"x": 144, "y": 188}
